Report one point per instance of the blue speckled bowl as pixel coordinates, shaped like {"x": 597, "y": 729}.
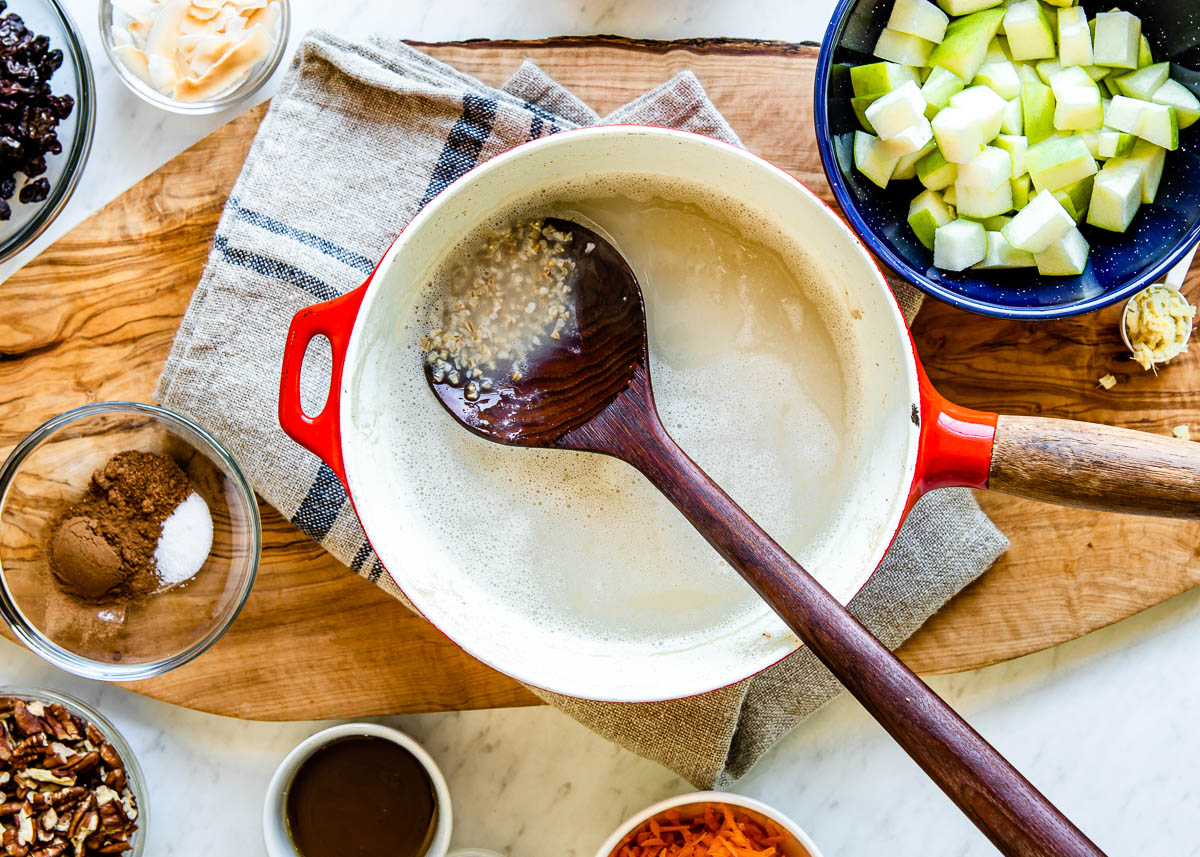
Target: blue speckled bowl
{"x": 1120, "y": 265}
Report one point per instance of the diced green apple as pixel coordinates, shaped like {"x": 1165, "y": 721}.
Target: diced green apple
{"x": 1047, "y": 68}
{"x": 1074, "y": 37}
{"x": 1037, "y": 111}
{"x": 1066, "y": 257}
{"x": 897, "y": 111}
{"x": 871, "y": 161}
{"x": 1155, "y": 123}
{"x": 1056, "y": 163}
{"x": 1118, "y": 40}
{"x": 1150, "y": 160}
{"x": 987, "y": 171}
{"x": 911, "y": 140}
{"x": 1014, "y": 118}
{"x": 998, "y": 51}
{"x": 1145, "y": 55}
{"x": 1021, "y": 187}
{"x": 919, "y": 18}
{"x": 1000, "y": 254}
{"x": 950, "y": 196}
{"x": 926, "y": 214}
{"x": 941, "y": 85}
{"x": 965, "y": 47}
{"x": 966, "y": 7}
{"x": 903, "y": 49}
{"x": 906, "y": 167}
{"x": 979, "y": 204}
{"x": 959, "y": 244}
{"x": 1078, "y": 108}
{"x": 1001, "y": 77}
{"x": 935, "y": 172}
{"x": 1144, "y": 82}
{"x": 1116, "y": 197}
{"x": 879, "y": 78}
{"x": 995, "y": 224}
{"x": 1029, "y": 33}
{"x": 1075, "y": 197}
{"x": 959, "y": 134}
{"x": 1174, "y": 94}
{"x": 1039, "y": 224}
{"x": 985, "y": 105}
{"x": 859, "y": 104}
{"x": 1016, "y": 145}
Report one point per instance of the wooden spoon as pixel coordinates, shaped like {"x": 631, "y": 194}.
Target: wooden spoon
{"x": 590, "y": 391}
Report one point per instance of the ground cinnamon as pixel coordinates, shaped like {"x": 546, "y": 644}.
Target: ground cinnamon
{"x": 102, "y": 547}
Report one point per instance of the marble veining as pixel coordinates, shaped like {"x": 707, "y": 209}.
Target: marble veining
{"x": 1105, "y": 725}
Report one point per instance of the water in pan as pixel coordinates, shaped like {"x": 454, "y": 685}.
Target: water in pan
{"x": 750, "y": 378}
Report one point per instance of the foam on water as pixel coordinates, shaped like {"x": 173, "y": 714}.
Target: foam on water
{"x": 754, "y": 378}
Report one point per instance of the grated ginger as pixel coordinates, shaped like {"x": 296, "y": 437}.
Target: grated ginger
{"x": 1108, "y": 381}
{"x": 1182, "y": 432}
{"x": 1158, "y": 322}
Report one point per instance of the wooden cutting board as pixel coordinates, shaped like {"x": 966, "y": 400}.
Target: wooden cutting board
{"x": 92, "y": 319}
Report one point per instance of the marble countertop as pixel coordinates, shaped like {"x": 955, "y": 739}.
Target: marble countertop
{"x": 1104, "y": 725}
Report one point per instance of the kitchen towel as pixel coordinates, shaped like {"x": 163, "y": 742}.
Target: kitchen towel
{"x": 361, "y": 136}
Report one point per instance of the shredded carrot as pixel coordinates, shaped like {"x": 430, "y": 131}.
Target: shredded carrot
{"x": 716, "y": 832}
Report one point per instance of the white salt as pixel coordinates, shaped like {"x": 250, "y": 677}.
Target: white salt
{"x": 185, "y": 541}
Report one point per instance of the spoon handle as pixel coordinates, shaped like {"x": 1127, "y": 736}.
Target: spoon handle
{"x": 1013, "y": 814}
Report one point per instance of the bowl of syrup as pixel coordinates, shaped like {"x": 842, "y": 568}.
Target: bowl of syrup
{"x": 358, "y": 789}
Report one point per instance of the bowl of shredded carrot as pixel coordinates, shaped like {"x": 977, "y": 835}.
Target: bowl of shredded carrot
{"x": 709, "y": 824}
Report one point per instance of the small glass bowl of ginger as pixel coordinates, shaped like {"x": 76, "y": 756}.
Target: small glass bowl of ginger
{"x": 129, "y": 541}
{"x": 195, "y": 56}
{"x": 1156, "y": 325}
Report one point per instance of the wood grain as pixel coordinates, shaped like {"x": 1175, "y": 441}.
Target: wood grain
{"x": 93, "y": 317}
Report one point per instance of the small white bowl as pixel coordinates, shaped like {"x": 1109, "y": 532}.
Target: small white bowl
{"x": 797, "y": 845}
{"x": 275, "y": 833}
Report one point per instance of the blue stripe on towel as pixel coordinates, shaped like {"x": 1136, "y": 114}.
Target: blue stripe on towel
{"x": 364, "y": 553}
{"x": 461, "y": 150}
{"x": 262, "y": 221}
{"x": 541, "y": 117}
{"x": 319, "y": 508}
{"x": 269, "y": 267}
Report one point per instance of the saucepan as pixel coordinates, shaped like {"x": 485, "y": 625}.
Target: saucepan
{"x": 911, "y": 440}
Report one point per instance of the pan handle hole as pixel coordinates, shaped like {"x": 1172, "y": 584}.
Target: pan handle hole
{"x": 316, "y": 374}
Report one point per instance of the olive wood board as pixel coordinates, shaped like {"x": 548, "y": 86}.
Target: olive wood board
{"x": 92, "y": 318}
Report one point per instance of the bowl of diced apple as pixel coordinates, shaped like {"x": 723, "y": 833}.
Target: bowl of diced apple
{"x": 1016, "y": 158}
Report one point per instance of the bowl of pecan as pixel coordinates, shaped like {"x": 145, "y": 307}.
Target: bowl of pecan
{"x": 47, "y": 116}
{"x": 70, "y": 785}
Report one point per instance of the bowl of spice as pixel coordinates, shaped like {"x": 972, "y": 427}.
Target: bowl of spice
{"x": 709, "y": 824}
{"x": 194, "y": 56}
{"x": 71, "y": 784}
{"x": 129, "y": 540}
{"x": 47, "y": 117}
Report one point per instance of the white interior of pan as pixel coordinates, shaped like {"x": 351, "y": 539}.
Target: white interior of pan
{"x": 657, "y": 647}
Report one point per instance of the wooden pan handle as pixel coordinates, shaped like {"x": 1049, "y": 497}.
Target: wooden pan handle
{"x": 1013, "y": 814}
{"x": 1096, "y": 467}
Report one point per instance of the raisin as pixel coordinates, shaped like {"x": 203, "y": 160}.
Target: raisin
{"x": 35, "y": 191}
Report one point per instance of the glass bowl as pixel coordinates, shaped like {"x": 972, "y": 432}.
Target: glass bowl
{"x": 133, "y": 771}
{"x": 74, "y": 78}
{"x": 51, "y": 469}
{"x": 259, "y": 73}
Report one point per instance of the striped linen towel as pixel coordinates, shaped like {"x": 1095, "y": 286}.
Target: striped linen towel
{"x": 361, "y": 136}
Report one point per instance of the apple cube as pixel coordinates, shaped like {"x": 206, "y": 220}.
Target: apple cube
{"x": 950, "y": 197}
{"x": 1078, "y": 108}
{"x": 1116, "y": 197}
{"x": 1118, "y": 40}
{"x": 938, "y": 89}
{"x": 871, "y": 161}
{"x": 911, "y": 140}
{"x": 1039, "y": 224}
{"x": 984, "y": 104}
{"x": 959, "y": 244}
{"x": 897, "y": 111}
{"x": 1056, "y": 163}
{"x": 903, "y": 49}
{"x": 1074, "y": 37}
{"x": 906, "y": 167}
{"x": 1145, "y": 54}
{"x": 1144, "y": 82}
{"x": 926, "y": 215}
{"x": 879, "y": 78}
{"x": 978, "y": 203}
{"x": 1001, "y": 78}
{"x": 1155, "y": 123}
{"x": 966, "y": 7}
{"x": 1016, "y": 145}
{"x": 1029, "y": 33}
{"x": 1014, "y": 118}
{"x": 995, "y": 224}
{"x": 987, "y": 171}
{"x": 1067, "y": 257}
{"x": 1037, "y": 111}
{"x": 1174, "y": 94}
{"x": 1048, "y": 68}
{"x": 998, "y": 50}
{"x": 964, "y": 50}
{"x": 935, "y": 172}
{"x": 959, "y": 134}
{"x": 919, "y": 18}
{"x": 1021, "y": 187}
{"x": 1076, "y": 197}
{"x": 1000, "y": 254}
{"x": 859, "y": 105}
{"x": 1149, "y": 160}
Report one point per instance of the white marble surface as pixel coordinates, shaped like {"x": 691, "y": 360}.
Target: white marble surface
{"x": 1105, "y": 725}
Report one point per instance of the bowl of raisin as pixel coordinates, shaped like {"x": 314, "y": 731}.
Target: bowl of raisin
{"x": 47, "y": 116}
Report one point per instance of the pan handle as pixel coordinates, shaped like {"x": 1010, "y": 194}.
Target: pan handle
{"x": 319, "y": 434}
{"x": 956, "y": 443}
{"x": 1096, "y": 467}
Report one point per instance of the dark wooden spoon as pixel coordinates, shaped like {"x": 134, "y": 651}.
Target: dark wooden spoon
{"x": 590, "y": 391}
